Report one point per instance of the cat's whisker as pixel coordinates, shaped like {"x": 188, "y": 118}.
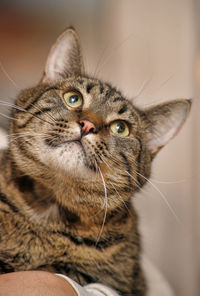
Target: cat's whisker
{"x": 113, "y": 51}
{"x": 117, "y": 161}
{"x": 58, "y": 111}
{"x": 4, "y": 103}
{"x": 161, "y": 85}
{"x": 96, "y": 168}
{"x": 48, "y": 115}
{"x": 28, "y": 132}
{"x": 27, "y": 137}
{"x": 104, "y": 205}
{"x": 103, "y": 160}
{"x": 101, "y": 58}
{"x": 163, "y": 197}
{"x": 120, "y": 197}
{"x": 136, "y": 183}
{"x": 160, "y": 181}
{"x": 8, "y": 117}
{"x": 25, "y": 140}
{"x": 158, "y": 190}
{"x": 24, "y": 134}
{"x": 14, "y": 138}
{"x": 21, "y": 109}
{"x": 50, "y": 141}
{"x": 143, "y": 86}
{"x": 97, "y": 175}
{"x": 170, "y": 182}
{"x": 9, "y": 77}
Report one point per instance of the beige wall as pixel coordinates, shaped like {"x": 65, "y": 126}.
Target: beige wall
{"x": 146, "y": 48}
{"x": 160, "y": 53}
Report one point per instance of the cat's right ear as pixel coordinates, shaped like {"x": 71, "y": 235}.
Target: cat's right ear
{"x": 64, "y": 59}
{"x": 164, "y": 122}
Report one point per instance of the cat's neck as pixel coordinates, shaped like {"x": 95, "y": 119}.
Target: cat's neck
{"x": 59, "y": 201}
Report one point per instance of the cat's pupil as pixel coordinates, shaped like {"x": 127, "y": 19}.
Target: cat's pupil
{"x": 73, "y": 99}
{"x": 120, "y": 128}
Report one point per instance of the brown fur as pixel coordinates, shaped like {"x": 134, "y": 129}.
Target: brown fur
{"x": 77, "y": 218}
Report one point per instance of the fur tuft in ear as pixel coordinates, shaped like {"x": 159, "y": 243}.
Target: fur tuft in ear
{"x": 164, "y": 121}
{"x": 65, "y": 58}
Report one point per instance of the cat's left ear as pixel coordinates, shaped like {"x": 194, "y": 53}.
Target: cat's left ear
{"x": 65, "y": 58}
{"x": 164, "y": 121}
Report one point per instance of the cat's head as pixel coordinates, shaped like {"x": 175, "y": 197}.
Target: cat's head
{"x": 83, "y": 128}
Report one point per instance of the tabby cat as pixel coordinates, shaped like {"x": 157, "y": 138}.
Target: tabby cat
{"x": 78, "y": 152}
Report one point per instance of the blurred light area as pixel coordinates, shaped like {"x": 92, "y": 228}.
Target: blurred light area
{"x": 27, "y": 31}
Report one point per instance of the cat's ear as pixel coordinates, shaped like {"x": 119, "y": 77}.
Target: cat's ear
{"x": 164, "y": 121}
{"x": 65, "y": 58}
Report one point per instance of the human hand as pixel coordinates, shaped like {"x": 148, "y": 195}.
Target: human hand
{"x": 34, "y": 283}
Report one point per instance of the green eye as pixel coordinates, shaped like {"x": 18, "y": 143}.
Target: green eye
{"x": 120, "y": 128}
{"x": 73, "y": 99}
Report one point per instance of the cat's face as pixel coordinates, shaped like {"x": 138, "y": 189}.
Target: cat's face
{"x": 80, "y": 126}
{"x": 84, "y": 129}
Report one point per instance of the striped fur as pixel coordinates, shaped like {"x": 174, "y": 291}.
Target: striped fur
{"x": 64, "y": 206}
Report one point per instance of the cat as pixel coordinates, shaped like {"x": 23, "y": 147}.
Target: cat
{"x": 78, "y": 151}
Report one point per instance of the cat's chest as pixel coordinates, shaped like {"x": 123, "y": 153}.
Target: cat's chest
{"x": 27, "y": 246}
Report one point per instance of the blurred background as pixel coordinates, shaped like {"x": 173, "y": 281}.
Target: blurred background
{"x": 149, "y": 50}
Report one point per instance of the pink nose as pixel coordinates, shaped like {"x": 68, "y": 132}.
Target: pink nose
{"x": 87, "y": 127}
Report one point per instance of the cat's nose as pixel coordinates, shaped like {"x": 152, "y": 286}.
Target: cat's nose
{"x": 87, "y": 127}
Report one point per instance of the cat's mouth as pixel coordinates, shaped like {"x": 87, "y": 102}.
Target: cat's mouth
{"x": 69, "y": 155}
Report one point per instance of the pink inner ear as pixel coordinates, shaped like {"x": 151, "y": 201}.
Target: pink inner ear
{"x": 166, "y": 121}
{"x": 64, "y": 59}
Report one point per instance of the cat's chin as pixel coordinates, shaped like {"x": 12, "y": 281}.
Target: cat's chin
{"x": 69, "y": 158}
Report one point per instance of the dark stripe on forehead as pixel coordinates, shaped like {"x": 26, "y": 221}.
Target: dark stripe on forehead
{"x": 101, "y": 88}
{"x": 119, "y": 99}
{"x": 90, "y": 87}
{"x": 123, "y": 109}
{"x": 41, "y": 111}
{"x": 80, "y": 80}
{"x": 110, "y": 92}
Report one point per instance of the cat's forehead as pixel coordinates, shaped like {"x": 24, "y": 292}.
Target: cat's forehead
{"x": 92, "y": 88}
{"x": 102, "y": 96}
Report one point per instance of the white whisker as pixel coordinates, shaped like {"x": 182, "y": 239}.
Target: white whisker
{"x": 112, "y": 51}
{"x": 142, "y": 88}
{"x": 163, "y": 197}
{"x": 105, "y": 204}
{"x": 48, "y": 115}
{"x": 20, "y": 109}
{"x": 170, "y": 182}
{"x": 8, "y": 117}
{"x": 8, "y": 76}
